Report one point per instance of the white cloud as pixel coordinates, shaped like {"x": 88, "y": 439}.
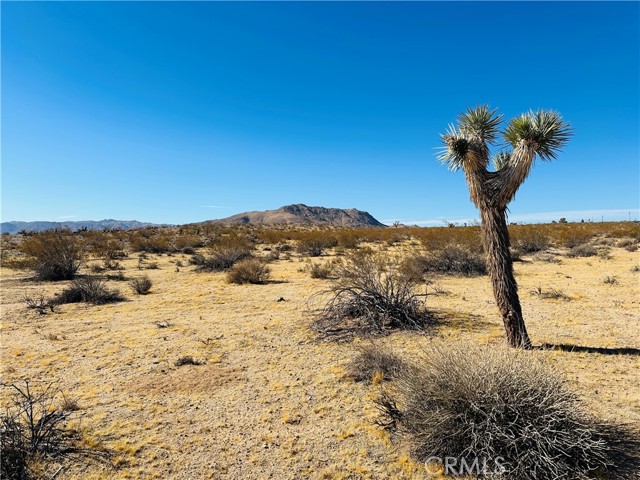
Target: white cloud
{"x": 65, "y": 217}
{"x": 212, "y": 206}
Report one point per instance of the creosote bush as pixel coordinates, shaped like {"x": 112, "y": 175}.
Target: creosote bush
{"x": 369, "y": 297}
{"x": 470, "y": 402}
{"x": 251, "y": 270}
{"x": 583, "y": 250}
{"x": 87, "y": 289}
{"x": 141, "y": 285}
{"x": 54, "y": 254}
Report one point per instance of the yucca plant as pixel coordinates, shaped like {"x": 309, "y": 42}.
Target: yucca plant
{"x": 532, "y": 135}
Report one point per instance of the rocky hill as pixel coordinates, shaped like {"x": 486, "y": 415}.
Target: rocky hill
{"x": 303, "y": 214}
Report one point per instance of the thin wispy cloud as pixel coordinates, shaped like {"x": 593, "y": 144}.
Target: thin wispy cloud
{"x": 212, "y": 206}
{"x": 66, "y": 217}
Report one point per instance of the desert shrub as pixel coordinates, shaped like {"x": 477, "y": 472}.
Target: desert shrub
{"x": 468, "y": 402}
{"x": 251, "y": 270}
{"x": 584, "y": 250}
{"x": 188, "y": 360}
{"x": 529, "y": 239}
{"x": 54, "y": 254}
{"x": 141, "y": 285}
{"x": 322, "y": 270}
{"x": 314, "y": 244}
{"x": 451, "y": 259}
{"x": 87, "y": 289}
{"x": 550, "y": 294}
{"x": 570, "y": 236}
{"x": 222, "y": 258}
{"x": 35, "y": 431}
{"x": 40, "y": 304}
{"x": 368, "y": 297}
{"x": 375, "y": 360}
{"x": 627, "y": 242}
{"x": 610, "y": 280}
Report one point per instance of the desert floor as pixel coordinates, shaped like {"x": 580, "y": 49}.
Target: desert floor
{"x": 271, "y": 399}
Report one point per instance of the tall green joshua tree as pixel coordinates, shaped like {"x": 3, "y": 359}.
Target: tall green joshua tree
{"x": 533, "y": 134}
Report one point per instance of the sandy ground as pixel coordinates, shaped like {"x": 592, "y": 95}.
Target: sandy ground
{"x": 271, "y": 400}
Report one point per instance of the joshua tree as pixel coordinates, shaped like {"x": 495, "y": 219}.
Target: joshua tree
{"x": 533, "y": 134}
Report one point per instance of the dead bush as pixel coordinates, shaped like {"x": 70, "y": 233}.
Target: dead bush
{"x": 141, "y": 285}
{"x": 451, "y": 259}
{"x": 54, "y": 254}
{"x": 374, "y": 362}
{"x": 87, "y": 289}
{"x": 221, "y": 258}
{"x": 251, "y": 270}
{"x": 368, "y": 297}
{"x": 473, "y": 403}
{"x": 35, "y": 431}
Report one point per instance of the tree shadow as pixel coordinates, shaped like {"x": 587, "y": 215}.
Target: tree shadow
{"x": 565, "y": 347}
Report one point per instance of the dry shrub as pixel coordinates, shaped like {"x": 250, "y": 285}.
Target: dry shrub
{"x": 35, "y": 432}
{"x": 451, "y": 259}
{"x": 529, "y": 239}
{"x": 251, "y": 270}
{"x": 315, "y": 243}
{"x": 54, "y": 254}
{"x": 584, "y": 250}
{"x": 87, "y": 289}
{"x": 322, "y": 270}
{"x": 221, "y": 258}
{"x": 373, "y": 360}
{"x": 369, "y": 297}
{"x": 141, "y": 285}
{"x": 469, "y": 402}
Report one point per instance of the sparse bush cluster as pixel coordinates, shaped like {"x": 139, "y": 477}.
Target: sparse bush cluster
{"x": 221, "y": 258}
{"x": 450, "y": 259}
{"x": 468, "y": 402}
{"x": 375, "y": 361}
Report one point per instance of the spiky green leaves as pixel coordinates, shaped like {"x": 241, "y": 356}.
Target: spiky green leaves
{"x": 480, "y": 122}
{"x": 544, "y": 130}
{"x": 456, "y": 146}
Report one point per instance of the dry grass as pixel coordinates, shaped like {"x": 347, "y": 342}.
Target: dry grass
{"x": 226, "y": 419}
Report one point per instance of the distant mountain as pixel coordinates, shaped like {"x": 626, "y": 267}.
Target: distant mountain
{"x": 13, "y": 227}
{"x": 302, "y": 214}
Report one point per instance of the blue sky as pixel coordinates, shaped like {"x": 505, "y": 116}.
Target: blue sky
{"x": 182, "y": 112}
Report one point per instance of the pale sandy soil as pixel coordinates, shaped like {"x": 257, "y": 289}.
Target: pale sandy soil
{"x": 270, "y": 400}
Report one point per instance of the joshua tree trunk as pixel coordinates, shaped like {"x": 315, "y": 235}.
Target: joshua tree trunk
{"x": 500, "y": 266}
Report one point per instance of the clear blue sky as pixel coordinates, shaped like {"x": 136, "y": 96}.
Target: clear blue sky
{"x": 181, "y": 112}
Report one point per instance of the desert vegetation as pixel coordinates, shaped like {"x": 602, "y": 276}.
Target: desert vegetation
{"x": 329, "y": 364}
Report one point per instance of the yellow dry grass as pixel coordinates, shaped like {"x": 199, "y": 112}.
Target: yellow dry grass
{"x": 270, "y": 400}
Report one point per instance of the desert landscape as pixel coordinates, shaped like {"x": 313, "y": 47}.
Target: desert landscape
{"x": 205, "y": 378}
